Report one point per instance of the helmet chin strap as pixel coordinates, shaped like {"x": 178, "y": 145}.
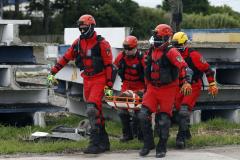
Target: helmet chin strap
{"x": 87, "y": 30}
{"x": 88, "y": 33}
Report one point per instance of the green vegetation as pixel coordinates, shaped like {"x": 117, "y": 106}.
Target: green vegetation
{"x": 215, "y": 132}
{"x": 210, "y": 21}
{"x": 60, "y": 14}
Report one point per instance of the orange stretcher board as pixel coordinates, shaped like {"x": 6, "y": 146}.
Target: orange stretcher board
{"x": 129, "y": 103}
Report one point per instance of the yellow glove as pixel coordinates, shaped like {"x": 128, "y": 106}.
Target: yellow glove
{"x": 186, "y": 89}
{"x": 51, "y": 80}
{"x": 108, "y": 91}
{"x": 213, "y": 89}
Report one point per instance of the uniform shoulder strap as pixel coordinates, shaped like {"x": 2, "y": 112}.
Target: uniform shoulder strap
{"x": 190, "y": 50}
{"x": 99, "y": 38}
{"x": 78, "y": 44}
{"x": 122, "y": 56}
{"x": 150, "y": 51}
{"x": 167, "y": 49}
{"x": 139, "y": 56}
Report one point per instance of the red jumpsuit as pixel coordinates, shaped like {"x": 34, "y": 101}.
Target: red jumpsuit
{"x": 131, "y": 66}
{"x": 160, "y": 96}
{"x": 131, "y": 71}
{"x": 199, "y": 66}
{"x": 94, "y": 80}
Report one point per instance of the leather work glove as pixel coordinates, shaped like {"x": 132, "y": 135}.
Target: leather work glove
{"x": 186, "y": 89}
{"x": 51, "y": 80}
{"x": 108, "y": 91}
{"x": 213, "y": 89}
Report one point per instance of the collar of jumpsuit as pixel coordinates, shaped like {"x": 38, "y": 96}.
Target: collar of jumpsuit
{"x": 90, "y": 41}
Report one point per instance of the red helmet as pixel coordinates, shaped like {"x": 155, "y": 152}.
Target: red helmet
{"x": 163, "y": 30}
{"x": 87, "y": 20}
{"x": 130, "y": 42}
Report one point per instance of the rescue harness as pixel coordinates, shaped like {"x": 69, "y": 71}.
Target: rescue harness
{"x": 138, "y": 67}
{"x": 167, "y": 71}
{"x": 94, "y": 54}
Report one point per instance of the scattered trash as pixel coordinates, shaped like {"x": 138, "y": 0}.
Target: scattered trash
{"x": 64, "y": 133}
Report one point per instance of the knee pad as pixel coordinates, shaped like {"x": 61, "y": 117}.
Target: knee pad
{"x": 144, "y": 113}
{"x": 123, "y": 113}
{"x": 164, "y": 124}
{"x": 184, "y": 112}
{"x": 92, "y": 114}
{"x": 91, "y": 110}
{"x": 135, "y": 116}
{"x": 184, "y": 121}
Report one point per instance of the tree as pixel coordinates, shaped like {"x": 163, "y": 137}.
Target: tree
{"x": 190, "y": 6}
{"x": 176, "y": 14}
{"x": 146, "y": 19}
{"x": 1, "y": 9}
{"x": 45, "y": 7}
{"x": 16, "y": 12}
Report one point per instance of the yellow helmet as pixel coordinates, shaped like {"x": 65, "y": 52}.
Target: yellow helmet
{"x": 180, "y": 38}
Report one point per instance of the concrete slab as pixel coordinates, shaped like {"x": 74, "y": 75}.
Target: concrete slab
{"x": 216, "y": 37}
{"x": 226, "y": 153}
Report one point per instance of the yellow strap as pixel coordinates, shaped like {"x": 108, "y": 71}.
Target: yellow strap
{"x": 74, "y": 73}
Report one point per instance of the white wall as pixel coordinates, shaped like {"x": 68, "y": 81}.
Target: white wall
{"x": 115, "y": 35}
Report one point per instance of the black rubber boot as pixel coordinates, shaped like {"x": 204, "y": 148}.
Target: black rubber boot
{"x": 164, "y": 123}
{"x": 148, "y": 146}
{"x": 184, "y": 122}
{"x": 136, "y": 128}
{"x": 104, "y": 140}
{"x": 93, "y": 147}
{"x": 188, "y": 134}
{"x": 180, "y": 140}
{"x": 146, "y": 127}
{"x": 95, "y": 132}
{"x": 126, "y": 127}
{"x": 161, "y": 148}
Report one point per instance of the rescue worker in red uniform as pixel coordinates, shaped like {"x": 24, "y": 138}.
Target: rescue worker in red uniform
{"x": 92, "y": 54}
{"x": 185, "y": 104}
{"x": 129, "y": 64}
{"x": 164, "y": 65}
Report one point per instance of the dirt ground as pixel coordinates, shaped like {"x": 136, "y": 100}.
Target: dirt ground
{"x": 211, "y": 153}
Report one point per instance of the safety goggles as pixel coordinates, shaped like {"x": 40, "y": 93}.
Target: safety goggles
{"x": 126, "y": 47}
{"x": 80, "y": 23}
{"x": 84, "y": 28}
{"x": 130, "y": 52}
{"x": 180, "y": 47}
{"x": 160, "y": 39}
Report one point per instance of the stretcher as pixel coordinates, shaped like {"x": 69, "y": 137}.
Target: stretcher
{"x": 129, "y": 103}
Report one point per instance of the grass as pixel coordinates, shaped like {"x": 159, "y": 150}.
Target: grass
{"x": 216, "y": 132}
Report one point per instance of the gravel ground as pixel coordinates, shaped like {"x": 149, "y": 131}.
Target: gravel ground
{"x": 213, "y": 153}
